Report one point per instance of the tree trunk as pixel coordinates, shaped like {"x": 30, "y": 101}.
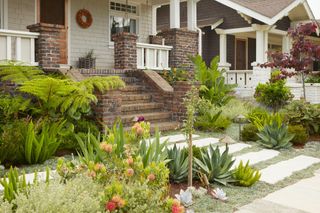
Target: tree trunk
{"x": 190, "y": 173}
{"x": 303, "y": 86}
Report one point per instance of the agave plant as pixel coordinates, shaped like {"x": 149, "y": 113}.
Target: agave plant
{"x": 215, "y": 166}
{"x": 245, "y": 175}
{"x": 178, "y": 165}
{"x": 274, "y": 136}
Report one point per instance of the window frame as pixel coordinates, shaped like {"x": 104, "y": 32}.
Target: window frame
{"x": 123, "y": 14}
{"x": 2, "y": 15}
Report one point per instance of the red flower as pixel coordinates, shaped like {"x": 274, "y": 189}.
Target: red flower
{"x": 111, "y": 206}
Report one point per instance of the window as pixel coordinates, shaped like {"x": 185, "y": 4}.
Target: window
{"x": 121, "y": 24}
{"x": 123, "y": 18}
{"x": 316, "y": 66}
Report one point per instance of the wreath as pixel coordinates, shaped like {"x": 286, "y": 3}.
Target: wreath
{"x": 84, "y": 18}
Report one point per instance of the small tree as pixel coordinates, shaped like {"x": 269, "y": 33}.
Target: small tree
{"x": 302, "y": 54}
{"x": 191, "y": 101}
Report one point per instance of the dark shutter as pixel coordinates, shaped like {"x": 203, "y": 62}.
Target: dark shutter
{"x": 251, "y": 52}
{"x": 231, "y": 50}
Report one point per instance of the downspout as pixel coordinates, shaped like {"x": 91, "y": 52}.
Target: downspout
{"x": 199, "y": 41}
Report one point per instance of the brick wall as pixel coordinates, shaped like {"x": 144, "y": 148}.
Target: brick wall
{"x": 154, "y": 39}
{"x": 108, "y": 108}
{"x": 51, "y": 46}
{"x": 125, "y": 51}
{"x": 185, "y": 44}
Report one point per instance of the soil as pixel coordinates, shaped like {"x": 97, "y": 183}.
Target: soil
{"x": 314, "y": 138}
{"x": 175, "y": 187}
{"x": 63, "y": 152}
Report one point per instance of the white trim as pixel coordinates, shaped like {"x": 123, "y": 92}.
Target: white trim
{"x": 22, "y": 34}
{"x": 278, "y": 32}
{"x": 69, "y": 32}
{"x": 154, "y": 19}
{"x": 263, "y": 18}
{"x": 191, "y": 15}
{"x": 235, "y": 30}
{"x": 174, "y": 9}
{"x": 215, "y": 25}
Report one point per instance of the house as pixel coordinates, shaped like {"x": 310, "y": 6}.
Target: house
{"x": 241, "y": 32}
{"x": 122, "y": 34}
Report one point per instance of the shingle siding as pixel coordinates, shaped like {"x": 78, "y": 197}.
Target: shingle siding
{"x": 283, "y": 24}
{"x": 21, "y": 13}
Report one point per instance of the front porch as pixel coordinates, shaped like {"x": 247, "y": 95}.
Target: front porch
{"x": 57, "y": 39}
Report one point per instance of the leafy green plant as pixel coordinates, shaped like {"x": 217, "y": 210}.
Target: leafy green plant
{"x": 153, "y": 150}
{"x": 212, "y": 120}
{"x": 249, "y": 133}
{"x": 216, "y": 166}
{"x": 178, "y": 164}
{"x": 262, "y": 118}
{"x": 245, "y": 175}
{"x": 175, "y": 74}
{"x": 274, "y": 136}
{"x": 41, "y": 144}
{"x": 213, "y": 86}
{"x": 300, "y": 134}
{"x": 89, "y": 148}
{"x": 305, "y": 114}
{"x": 274, "y": 94}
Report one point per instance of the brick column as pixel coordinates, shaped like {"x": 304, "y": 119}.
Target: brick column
{"x": 108, "y": 108}
{"x": 51, "y": 46}
{"x": 180, "y": 90}
{"x": 125, "y": 51}
{"x": 185, "y": 43}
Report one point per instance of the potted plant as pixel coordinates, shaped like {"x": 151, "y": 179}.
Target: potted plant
{"x": 88, "y": 61}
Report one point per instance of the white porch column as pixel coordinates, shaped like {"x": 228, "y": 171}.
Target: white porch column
{"x": 260, "y": 47}
{"x": 286, "y": 44}
{"x": 154, "y": 19}
{"x": 266, "y": 47}
{"x": 174, "y": 14}
{"x": 223, "y": 64}
{"x": 192, "y": 15}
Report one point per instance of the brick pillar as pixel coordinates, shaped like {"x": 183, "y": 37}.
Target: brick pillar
{"x": 185, "y": 43}
{"x": 108, "y": 108}
{"x": 51, "y": 46}
{"x": 180, "y": 89}
{"x": 155, "y": 39}
{"x": 125, "y": 51}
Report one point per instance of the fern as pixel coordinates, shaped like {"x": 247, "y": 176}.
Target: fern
{"x": 18, "y": 73}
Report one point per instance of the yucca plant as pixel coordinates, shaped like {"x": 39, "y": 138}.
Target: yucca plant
{"x": 274, "y": 136}
{"x": 244, "y": 175}
{"x": 153, "y": 150}
{"x": 216, "y": 166}
{"x": 178, "y": 164}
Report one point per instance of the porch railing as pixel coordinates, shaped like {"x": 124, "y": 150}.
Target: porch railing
{"x": 243, "y": 78}
{"x": 18, "y": 45}
{"x": 153, "y": 56}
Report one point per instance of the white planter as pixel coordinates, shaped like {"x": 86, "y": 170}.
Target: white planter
{"x": 313, "y": 93}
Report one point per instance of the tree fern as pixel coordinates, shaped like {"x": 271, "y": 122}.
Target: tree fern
{"x": 18, "y": 73}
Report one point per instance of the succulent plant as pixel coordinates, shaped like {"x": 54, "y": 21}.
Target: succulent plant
{"x": 213, "y": 165}
{"x": 220, "y": 194}
{"x": 245, "y": 175}
{"x": 178, "y": 165}
{"x": 185, "y": 197}
{"x": 275, "y": 136}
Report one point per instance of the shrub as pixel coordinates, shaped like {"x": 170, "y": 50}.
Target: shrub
{"x": 77, "y": 195}
{"x": 275, "y": 136}
{"x": 249, "y": 133}
{"x": 212, "y": 120}
{"x": 274, "y": 94}
{"x": 302, "y": 113}
{"x": 216, "y": 166}
{"x": 174, "y": 74}
{"x": 300, "y": 134}
{"x": 245, "y": 175}
{"x": 213, "y": 86}
{"x": 262, "y": 118}
{"x": 178, "y": 164}
{"x": 235, "y": 108}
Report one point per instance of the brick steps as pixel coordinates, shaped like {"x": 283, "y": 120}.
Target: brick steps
{"x": 152, "y": 117}
{"x": 133, "y": 89}
{"x": 138, "y": 108}
{"x": 136, "y": 98}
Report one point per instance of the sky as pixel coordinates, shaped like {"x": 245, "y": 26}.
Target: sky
{"x": 315, "y": 6}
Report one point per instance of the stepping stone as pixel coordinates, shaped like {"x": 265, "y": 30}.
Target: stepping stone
{"x": 176, "y": 138}
{"x": 235, "y": 147}
{"x": 283, "y": 169}
{"x": 255, "y": 157}
{"x": 199, "y": 143}
{"x": 41, "y": 177}
{"x": 303, "y": 195}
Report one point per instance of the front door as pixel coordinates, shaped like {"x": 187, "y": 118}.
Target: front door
{"x": 54, "y": 12}
{"x": 241, "y": 54}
